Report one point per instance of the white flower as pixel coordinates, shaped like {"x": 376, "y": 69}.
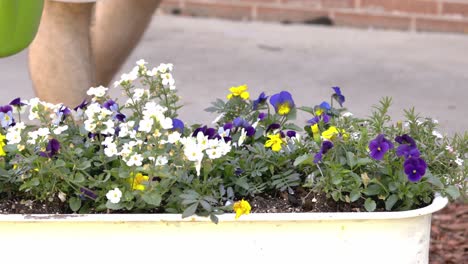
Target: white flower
{"x": 97, "y": 91}
{"x": 163, "y": 68}
{"x": 59, "y": 130}
{"x": 135, "y": 160}
{"x": 166, "y": 123}
{"x": 449, "y": 148}
{"x": 43, "y": 132}
{"x": 167, "y": 79}
{"x": 141, "y": 62}
{"x": 435, "y": 121}
{"x": 92, "y": 109}
{"x": 214, "y": 153}
{"x": 223, "y": 133}
{"x": 107, "y": 141}
{"x": 111, "y": 150}
{"x": 355, "y": 135}
{"x": 62, "y": 196}
{"x": 193, "y": 153}
{"x": 242, "y": 137}
{"x": 114, "y": 195}
{"x": 347, "y": 114}
{"x": 173, "y": 137}
{"x": 224, "y": 147}
{"x": 32, "y": 137}
{"x": 459, "y": 161}
{"x": 151, "y": 109}
{"x": 146, "y": 125}
{"x": 202, "y": 141}
{"x": 13, "y": 137}
{"x": 437, "y": 134}
{"x": 109, "y": 127}
{"x": 419, "y": 122}
{"x": 138, "y": 94}
{"x": 19, "y": 126}
{"x": 90, "y": 126}
{"x": 161, "y": 161}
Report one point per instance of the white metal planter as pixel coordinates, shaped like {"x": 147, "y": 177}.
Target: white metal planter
{"x": 377, "y": 238}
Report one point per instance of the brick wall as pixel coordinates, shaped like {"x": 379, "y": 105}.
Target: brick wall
{"x": 419, "y": 15}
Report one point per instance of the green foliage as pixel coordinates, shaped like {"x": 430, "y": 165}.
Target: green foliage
{"x": 152, "y": 166}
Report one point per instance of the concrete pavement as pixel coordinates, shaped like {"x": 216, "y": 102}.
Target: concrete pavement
{"x": 426, "y": 70}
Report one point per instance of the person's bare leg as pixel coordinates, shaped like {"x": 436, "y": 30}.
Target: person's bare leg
{"x": 60, "y": 58}
{"x": 118, "y": 27}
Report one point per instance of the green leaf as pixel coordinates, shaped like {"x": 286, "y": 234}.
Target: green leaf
{"x": 189, "y": 211}
{"x": 84, "y": 165}
{"x": 363, "y": 161}
{"x": 114, "y": 206}
{"x": 306, "y": 158}
{"x": 351, "y": 159}
{"x": 153, "y": 198}
{"x": 354, "y": 195}
{"x": 79, "y": 178}
{"x": 391, "y": 201}
{"x": 60, "y": 163}
{"x": 433, "y": 180}
{"x": 372, "y": 189}
{"x": 75, "y": 203}
{"x": 205, "y": 205}
{"x": 453, "y": 191}
{"x": 337, "y": 179}
{"x": 214, "y": 218}
{"x": 370, "y": 205}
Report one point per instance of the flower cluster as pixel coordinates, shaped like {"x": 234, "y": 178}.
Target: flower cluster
{"x": 139, "y": 156}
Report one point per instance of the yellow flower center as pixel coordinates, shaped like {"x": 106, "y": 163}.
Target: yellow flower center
{"x": 284, "y": 109}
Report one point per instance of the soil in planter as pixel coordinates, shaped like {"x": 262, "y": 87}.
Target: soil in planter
{"x": 301, "y": 201}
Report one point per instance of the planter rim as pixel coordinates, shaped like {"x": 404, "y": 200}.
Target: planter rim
{"x": 438, "y": 203}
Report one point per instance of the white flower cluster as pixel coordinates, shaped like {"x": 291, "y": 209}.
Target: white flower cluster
{"x": 196, "y": 148}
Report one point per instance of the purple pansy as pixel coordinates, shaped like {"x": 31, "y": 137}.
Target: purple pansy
{"x": 111, "y": 105}
{"x": 178, "y": 125}
{"x": 408, "y": 146}
{"x": 379, "y": 146}
{"x": 282, "y": 102}
{"x": 415, "y": 168}
{"x": 260, "y": 100}
{"x": 326, "y": 146}
{"x": 291, "y": 133}
{"x": 323, "y": 117}
{"x": 52, "y": 148}
{"x": 17, "y": 102}
{"x": 83, "y": 104}
{"x": 272, "y": 127}
{"x": 88, "y": 193}
{"x": 338, "y": 96}
{"x": 62, "y": 113}
{"x": 261, "y": 116}
{"x": 6, "y": 116}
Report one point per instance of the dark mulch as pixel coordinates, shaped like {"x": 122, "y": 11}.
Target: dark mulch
{"x": 448, "y": 234}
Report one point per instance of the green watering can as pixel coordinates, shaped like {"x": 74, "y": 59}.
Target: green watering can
{"x": 19, "y": 20}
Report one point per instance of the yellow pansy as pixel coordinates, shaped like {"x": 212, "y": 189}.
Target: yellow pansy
{"x": 2, "y": 144}
{"x": 241, "y": 207}
{"x": 239, "y": 91}
{"x": 330, "y": 133}
{"x": 137, "y": 181}
{"x": 274, "y": 142}
{"x": 316, "y": 132}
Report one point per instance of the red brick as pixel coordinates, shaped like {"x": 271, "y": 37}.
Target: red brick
{"x": 408, "y": 6}
{"x": 455, "y": 8}
{"x": 365, "y": 20}
{"x": 442, "y": 25}
{"x": 284, "y": 14}
{"x": 309, "y": 3}
{"x": 338, "y": 3}
{"x": 234, "y": 11}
